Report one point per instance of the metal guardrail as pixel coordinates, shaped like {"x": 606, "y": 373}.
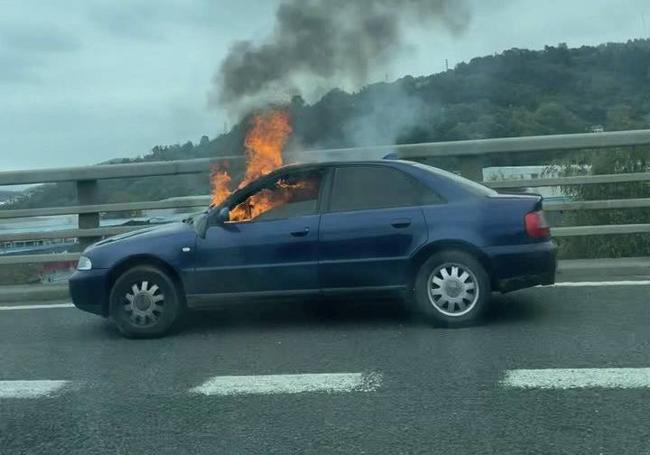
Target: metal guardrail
{"x": 473, "y": 157}
{"x": 69, "y": 233}
{"x": 39, "y": 258}
{"x": 581, "y": 231}
{"x": 480, "y": 147}
{"x": 108, "y": 171}
{"x": 409, "y": 151}
{"x": 598, "y": 205}
{"x": 176, "y": 203}
{"x": 573, "y": 180}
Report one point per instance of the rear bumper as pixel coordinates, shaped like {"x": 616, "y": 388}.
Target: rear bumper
{"x": 523, "y": 266}
{"x": 89, "y": 291}
{"x": 525, "y": 281}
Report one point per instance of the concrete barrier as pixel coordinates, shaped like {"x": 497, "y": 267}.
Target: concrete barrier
{"x": 36, "y": 293}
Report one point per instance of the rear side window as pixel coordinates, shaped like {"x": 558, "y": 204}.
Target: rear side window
{"x": 468, "y": 185}
{"x": 374, "y": 187}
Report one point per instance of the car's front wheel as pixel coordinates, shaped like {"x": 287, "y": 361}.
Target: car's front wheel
{"x": 144, "y": 302}
{"x": 452, "y": 288}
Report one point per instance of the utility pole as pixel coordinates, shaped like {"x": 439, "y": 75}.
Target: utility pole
{"x": 446, "y": 64}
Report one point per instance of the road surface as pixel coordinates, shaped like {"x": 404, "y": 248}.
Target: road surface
{"x": 551, "y": 370}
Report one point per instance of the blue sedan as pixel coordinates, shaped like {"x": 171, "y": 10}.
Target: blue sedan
{"x": 341, "y": 228}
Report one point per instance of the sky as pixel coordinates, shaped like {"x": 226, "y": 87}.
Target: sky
{"x": 85, "y": 81}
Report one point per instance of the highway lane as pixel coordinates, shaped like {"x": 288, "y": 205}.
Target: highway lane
{"x": 441, "y": 391}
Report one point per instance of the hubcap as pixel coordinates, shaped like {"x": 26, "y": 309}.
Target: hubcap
{"x": 144, "y": 304}
{"x": 453, "y": 289}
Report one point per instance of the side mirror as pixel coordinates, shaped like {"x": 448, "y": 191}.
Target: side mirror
{"x": 223, "y": 216}
{"x": 204, "y": 221}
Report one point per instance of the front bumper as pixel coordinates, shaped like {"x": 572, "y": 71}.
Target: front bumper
{"x": 523, "y": 266}
{"x": 89, "y": 291}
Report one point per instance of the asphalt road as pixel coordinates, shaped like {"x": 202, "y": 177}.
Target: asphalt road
{"x": 441, "y": 390}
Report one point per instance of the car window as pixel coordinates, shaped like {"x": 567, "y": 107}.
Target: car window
{"x": 289, "y": 196}
{"x": 375, "y": 187}
{"x": 468, "y": 185}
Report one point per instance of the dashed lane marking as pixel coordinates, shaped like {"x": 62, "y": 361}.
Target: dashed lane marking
{"x": 289, "y": 384}
{"x": 578, "y": 378}
{"x": 601, "y": 283}
{"x": 30, "y": 389}
{"x": 36, "y": 307}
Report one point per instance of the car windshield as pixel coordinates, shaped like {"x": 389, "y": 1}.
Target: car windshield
{"x": 324, "y": 227}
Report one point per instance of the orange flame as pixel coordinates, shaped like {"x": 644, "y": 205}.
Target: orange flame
{"x": 220, "y": 182}
{"x": 268, "y": 199}
{"x": 264, "y": 144}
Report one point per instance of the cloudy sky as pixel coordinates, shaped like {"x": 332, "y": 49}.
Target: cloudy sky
{"x": 83, "y": 81}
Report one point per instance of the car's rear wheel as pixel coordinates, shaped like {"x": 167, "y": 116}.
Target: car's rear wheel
{"x": 144, "y": 302}
{"x": 452, "y": 288}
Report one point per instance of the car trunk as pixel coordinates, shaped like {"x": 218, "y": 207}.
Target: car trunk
{"x": 521, "y": 217}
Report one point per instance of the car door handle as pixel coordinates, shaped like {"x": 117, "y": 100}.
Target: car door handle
{"x": 401, "y": 223}
{"x": 302, "y": 233}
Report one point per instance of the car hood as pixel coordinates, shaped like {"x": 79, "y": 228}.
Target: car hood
{"x": 147, "y": 233}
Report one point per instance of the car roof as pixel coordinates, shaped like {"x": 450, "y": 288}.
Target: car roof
{"x": 315, "y": 165}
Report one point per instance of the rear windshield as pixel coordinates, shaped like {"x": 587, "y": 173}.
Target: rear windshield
{"x": 469, "y": 185}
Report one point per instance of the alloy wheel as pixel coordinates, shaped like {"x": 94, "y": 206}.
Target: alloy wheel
{"x": 453, "y": 289}
{"x": 144, "y": 304}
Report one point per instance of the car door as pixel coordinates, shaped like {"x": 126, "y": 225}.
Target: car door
{"x": 270, "y": 245}
{"x": 371, "y": 228}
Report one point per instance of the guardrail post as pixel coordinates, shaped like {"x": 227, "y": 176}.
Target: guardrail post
{"x": 471, "y": 167}
{"x": 87, "y": 195}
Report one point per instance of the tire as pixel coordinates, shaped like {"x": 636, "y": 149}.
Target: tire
{"x": 460, "y": 292}
{"x": 144, "y": 303}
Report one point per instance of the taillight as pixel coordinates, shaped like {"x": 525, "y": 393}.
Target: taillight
{"x": 536, "y": 225}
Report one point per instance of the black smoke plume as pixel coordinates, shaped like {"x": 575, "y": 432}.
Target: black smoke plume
{"x": 323, "y": 44}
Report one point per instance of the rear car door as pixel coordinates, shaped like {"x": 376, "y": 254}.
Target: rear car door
{"x": 269, "y": 246}
{"x": 372, "y": 226}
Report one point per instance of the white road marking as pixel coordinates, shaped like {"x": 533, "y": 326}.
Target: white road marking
{"x": 36, "y": 307}
{"x": 289, "y": 384}
{"x": 601, "y": 283}
{"x": 581, "y": 378}
{"x": 30, "y": 389}
{"x": 556, "y": 285}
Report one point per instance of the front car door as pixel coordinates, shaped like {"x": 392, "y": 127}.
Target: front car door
{"x": 268, "y": 247}
{"x": 372, "y": 227}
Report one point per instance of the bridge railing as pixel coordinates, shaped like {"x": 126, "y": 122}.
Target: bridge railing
{"x": 472, "y": 157}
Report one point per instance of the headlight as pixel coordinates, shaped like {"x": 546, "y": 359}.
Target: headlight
{"x": 84, "y": 264}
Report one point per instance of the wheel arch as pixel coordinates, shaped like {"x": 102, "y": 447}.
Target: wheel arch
{"x": 424, "y": 253}
{"x": 143, "y": 260}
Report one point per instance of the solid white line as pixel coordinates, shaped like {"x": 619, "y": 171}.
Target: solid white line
{"x": 582, "y": 378}
{"x": 36, "y": 307}
{"x": 576, "y": 284}
{"x": 601, "y": 283}
{"x": 30, "y": 389}
{"x": 289, "y": 384}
